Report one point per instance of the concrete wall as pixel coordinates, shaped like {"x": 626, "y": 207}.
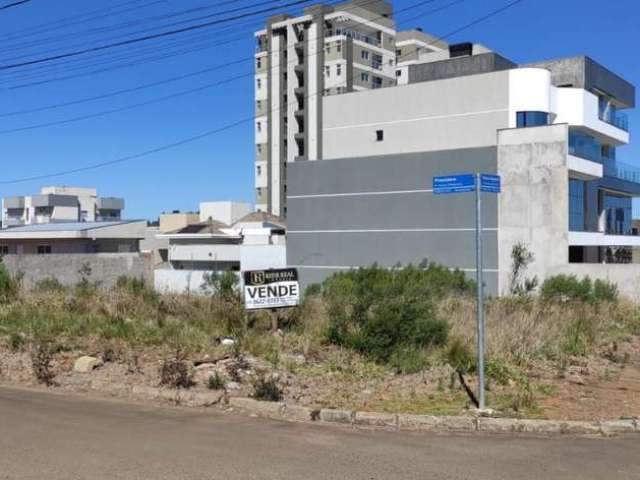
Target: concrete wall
{"x": 534, "y": 203}
{"x": 189, "y": 282}
{"x": 459, "y": 67}
{"x": 421, "y": 117}
{"x": 583, "y": 72}
{"x": 106, "y": 268}
{"x": 359, "y": 211}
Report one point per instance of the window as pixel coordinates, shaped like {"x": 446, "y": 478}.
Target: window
{"x": 259, "y": 63}
{"x": 4, "y": 250}
{"x": 618, "y": 214}
{"x": 398, "y": 52}
{"x": 259, "y": 191}
{"x": 327, "y": 48}
{"x": 338, "y": 69}
{"x": 576, "y": 205}
{"x": 44, "y": 249}
{"x": 327, "y": 70}
{"x": 398, "y": 73}
{"x": 259, "y": 83}
{"x": 259, "y": 126}
{"x": 379, "y": 135}
{"x": 364, "y": 55}
{"x": 259, "y": 147}
{"x": 377, "y": 82}
{"x": 259, "y": 170}
{"x": 339, "y": 47}
{"x": 364, "y": 77}
{"x": 531, "y": 119}
{"x": 258, "y": 104}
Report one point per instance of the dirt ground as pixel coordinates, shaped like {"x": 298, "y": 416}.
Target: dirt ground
{"x": 605, "y": 386}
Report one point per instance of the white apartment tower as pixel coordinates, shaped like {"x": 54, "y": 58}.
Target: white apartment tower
{"x": 328, "y": 50}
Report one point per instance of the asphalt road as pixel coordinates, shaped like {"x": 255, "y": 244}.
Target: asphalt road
{"x": 48, "y": 436}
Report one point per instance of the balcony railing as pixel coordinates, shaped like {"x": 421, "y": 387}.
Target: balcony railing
{"x": 354, "y": 34}
{"x": 623, "y": 171}
{"x": 616, "y": 119}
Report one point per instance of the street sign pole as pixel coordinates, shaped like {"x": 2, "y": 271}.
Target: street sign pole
{"x": 480, "y": 293}
{"x": 468, "y": 182}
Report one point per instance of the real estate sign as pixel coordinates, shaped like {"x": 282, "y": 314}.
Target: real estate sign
{"x": 275, "y": 288}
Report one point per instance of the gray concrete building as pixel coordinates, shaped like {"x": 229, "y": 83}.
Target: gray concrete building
{"x": 326, "y": 51}
{"x": 551, "y": 130}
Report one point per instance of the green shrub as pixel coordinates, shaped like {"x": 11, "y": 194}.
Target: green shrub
{"x": 49, "y": 284}
{"x": 8, "y": 286}
{"x": 566, "y": 288}
{"x": 380, "y": 312}
{"x": 570, "y": 288}
{"x": 604, "y": 291}
{"x": 408, "y": 360}
{"x": 135, "y": 286}
{"x": 222, "y": 285}
{"x": 313, "y": 289}
{"x": 216, "y": 382}
{"x": 266, "y": 389}
{"x": 460, "y": 357}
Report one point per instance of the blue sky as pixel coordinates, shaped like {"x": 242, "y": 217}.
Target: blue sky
{"x": 221, "y": 166}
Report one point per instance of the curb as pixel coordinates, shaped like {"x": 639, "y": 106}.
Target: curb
{"x": 430, "y": 423}
{"x": 357, "y": 419}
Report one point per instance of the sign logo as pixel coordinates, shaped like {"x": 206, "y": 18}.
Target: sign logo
{"x": 257, "y": 278}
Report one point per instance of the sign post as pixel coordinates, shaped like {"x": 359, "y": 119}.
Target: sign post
{"x": 478, "y": 183}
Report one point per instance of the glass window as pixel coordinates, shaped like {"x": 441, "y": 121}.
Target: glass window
{"x": 584, "y": 146}
{"x": 259, "y": 63}
{"x": 379, "y": 135}
{"x": 259, "y": 83}
{"x": 4, "y": 249}
{"x": 364, "y": 77}
{"x": 618, "y": 211}
{"x": 338, "y": 70}
{"x": 531, "y": 119}
{"x": 364, "y": 55}
{"x": 576, "y": 205}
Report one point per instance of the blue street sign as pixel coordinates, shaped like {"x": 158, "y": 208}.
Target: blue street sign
{"x": 465, "y": 182}
{"x": 489, "y": 183}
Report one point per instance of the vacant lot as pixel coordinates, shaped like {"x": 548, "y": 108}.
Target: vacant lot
{"x": 401, "y": 342}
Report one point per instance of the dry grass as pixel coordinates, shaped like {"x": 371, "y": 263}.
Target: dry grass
{"x": 521, "y": 330}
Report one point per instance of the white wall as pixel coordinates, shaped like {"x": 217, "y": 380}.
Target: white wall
{"x": 447, "y": 114}
{"x": 257, "y": 257}
{"x": 204, "y": 252}
{"x": 180, "y": 281}
{"x": 225, "y": 212}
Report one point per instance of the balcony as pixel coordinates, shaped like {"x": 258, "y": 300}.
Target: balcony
{"x": 354, "y": 34}
{"x": 623, "y": 171}
{"x": 609, "y": 114}
{"x": 617, "y": 119}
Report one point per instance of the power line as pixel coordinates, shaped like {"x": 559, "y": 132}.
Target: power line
{"x": 14, "y": 4}
{"x": 136, "y": 22}
{"x": 49, "y": 26}
{"x": 32, "y": 80}
{"x": 117, "y": 62}
{"x": 219, "y": 129}
{"x": 164, "y": 98}
{"x": 147, "y": 37}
